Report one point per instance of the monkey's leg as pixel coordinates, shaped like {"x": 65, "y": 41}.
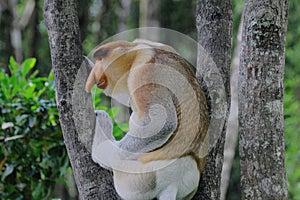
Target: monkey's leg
{"x": 179, "y": 179}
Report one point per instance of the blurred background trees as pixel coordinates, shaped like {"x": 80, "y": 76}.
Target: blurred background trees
{"x": 32, "y": 158}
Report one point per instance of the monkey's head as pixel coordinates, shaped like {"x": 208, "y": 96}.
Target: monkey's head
{"x": 112, "y": 62}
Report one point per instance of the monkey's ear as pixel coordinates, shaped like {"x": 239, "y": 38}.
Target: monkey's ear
{"x": 90, "y": 80}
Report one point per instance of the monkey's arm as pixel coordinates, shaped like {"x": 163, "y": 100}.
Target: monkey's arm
{"x": 103, "y": 136}
{"x": 152, "y": 122}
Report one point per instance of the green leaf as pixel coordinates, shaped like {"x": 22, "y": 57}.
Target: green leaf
{"x": 113, "y": 112}
{"x": 100, "y": 107}
{"x": 51, "y": 76}
{"x": 20, "y": 118}
{"x": 27, "y": 65}
{"x": 124, "y": 127}
{"x": 40, "y": 92}
{"x": 34, "y": 74}
{"x": 37, "y": 190}
{"x": 29, "y": 91}
{"x": 9, "y": 169}
{"x": 117, "y": 131}
{"x": 32, "y": 122}
{"x": 61, "y": 180}
{"x": 13, "y": 65}
{"x": 5, "y": 87}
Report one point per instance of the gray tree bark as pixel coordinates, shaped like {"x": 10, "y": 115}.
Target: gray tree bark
{"x": 75, "y": 107}
{"x": 214, "y": 25}
{"x": 262, "y": 156}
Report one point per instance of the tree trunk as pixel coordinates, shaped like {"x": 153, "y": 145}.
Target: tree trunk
{"x": 74, "y": 104}
{"x": 123, "y": 15}
{"x": 232, "y": 127}
{"x": 262, "y": 156}
{"x": 214, "y": 24}
{"x": 15, "y": 31}
{"x": 149, "y": 18}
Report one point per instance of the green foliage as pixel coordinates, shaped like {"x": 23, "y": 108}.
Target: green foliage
{"x": 292, "y": 100}
{"x": 133, "y": 19}
{"x": 118, "y": 129}
{"x": 292, "y": 133}
{"x": 109, "y": 19}
{"x": 32, "y": 153}
{"x": 234, "y": 189}
{"x": 179, "y": 16}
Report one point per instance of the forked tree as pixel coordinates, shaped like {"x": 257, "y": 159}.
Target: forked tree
{"x": 261, "y": 92}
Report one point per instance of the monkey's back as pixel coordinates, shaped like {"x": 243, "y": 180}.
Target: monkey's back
{"x": 191, "y": 108}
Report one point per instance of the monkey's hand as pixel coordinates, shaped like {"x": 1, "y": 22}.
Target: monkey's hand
{"x": 103, "y": 136}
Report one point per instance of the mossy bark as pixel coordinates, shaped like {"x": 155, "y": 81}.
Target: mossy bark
{"x": 261, "y": 145}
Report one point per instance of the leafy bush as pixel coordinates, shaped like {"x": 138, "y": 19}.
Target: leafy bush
{"x": 32, "y": 153}
{"x": 292, "y": 101}
{"x": 292, "y": 133}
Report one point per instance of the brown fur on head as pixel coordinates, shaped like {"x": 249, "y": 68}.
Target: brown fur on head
{"x": 112, "y": 61}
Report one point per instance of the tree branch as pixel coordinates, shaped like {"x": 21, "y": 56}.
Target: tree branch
{"x": 232, "y": 127}
{"x": 74, "y": 104}
{"x": 261, "y": 121}
{"x": 214, "y": 25}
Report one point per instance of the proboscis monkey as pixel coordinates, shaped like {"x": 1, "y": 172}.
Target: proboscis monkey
{"x": 160, "y": 155}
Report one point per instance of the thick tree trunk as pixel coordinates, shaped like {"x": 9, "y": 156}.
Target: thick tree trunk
{"x": 214, "y": 24}
{"x": 75, "y": 106}
{"x": 262, "y": 156}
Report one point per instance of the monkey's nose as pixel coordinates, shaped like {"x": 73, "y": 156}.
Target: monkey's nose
{"x": 101, "y": 84}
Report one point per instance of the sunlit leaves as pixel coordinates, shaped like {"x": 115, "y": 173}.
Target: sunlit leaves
{"x": 32, "y": 153}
